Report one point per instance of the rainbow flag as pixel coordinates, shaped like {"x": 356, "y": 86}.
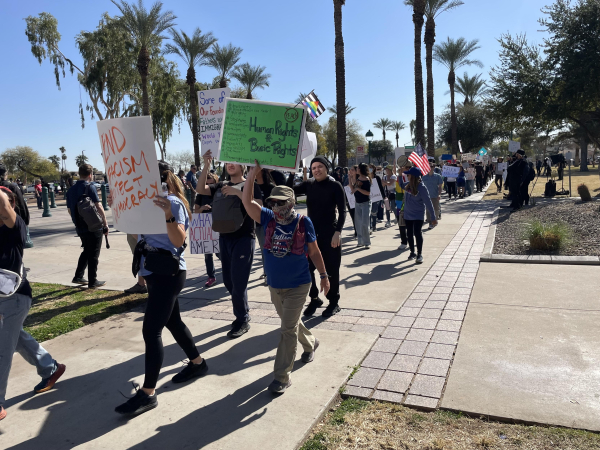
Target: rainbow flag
{"x": 314, "y": 106}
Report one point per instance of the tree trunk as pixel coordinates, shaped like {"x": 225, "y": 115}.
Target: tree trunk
{"x": 249, "y": 95}
{"x": 142, "y": 66}
{"x": 340, "y": 84}
{"x": 383, "y": 135}
{"x": 429, "y": 41}
{"x": 223, "y": 83}
{"x": 190, "y": 79}
{"x": 451, "y": 81}
{"x": 418, "y": 12}
{"x": 583, "y": 141}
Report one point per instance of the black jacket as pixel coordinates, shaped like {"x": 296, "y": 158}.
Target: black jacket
{"x": 21, "y": 204}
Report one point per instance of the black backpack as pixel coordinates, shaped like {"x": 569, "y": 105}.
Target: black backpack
{"x": 550, "y": 190}
{"x": 227, "y": 216}
{"x": 86, "y": 208}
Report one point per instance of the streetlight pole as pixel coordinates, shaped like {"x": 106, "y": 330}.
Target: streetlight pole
{"x": 369, "y": 137}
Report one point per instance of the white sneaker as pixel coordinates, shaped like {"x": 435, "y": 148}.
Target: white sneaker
{"x": 403, "y": 247}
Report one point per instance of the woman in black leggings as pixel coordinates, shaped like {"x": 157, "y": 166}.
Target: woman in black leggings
{"x": 162, "y": 309}
{"x": 416, "y": 199}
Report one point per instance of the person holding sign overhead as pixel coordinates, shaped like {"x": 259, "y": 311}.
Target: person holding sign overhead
{"x": 289, "y": 239}
{"x": 165, "y": 278}
{"x": 237, "y": 237}
{"x": 324, "y": 199}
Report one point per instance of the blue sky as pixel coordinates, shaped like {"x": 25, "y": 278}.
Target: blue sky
{"x": 294, "y": 40}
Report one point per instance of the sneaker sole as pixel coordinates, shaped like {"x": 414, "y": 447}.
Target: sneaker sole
{"x": 230, "y": 335}
{"x": 53, "y": 379}
{"x": 282, "y": 391}
{"x": 139, "y": 411}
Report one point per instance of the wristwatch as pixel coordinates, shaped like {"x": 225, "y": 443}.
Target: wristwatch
{"x": 171, "y": 220}
{"x": 324, "y": 275}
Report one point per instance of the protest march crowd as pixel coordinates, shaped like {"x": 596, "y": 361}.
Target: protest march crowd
{"x": 301, "y": 254}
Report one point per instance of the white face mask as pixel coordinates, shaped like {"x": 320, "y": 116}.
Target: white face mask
{"x": 370, "y": 170}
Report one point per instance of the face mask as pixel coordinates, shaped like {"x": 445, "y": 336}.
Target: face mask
{"x": 370, "y": 170}
{"x": 285, "y": 214}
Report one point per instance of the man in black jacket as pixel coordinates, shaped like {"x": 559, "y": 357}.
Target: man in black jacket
{"x": 518, "y": 173}
{"x": 324, "y": 198}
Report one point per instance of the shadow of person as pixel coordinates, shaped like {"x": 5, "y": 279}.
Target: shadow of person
{"x": 81, "y": 409}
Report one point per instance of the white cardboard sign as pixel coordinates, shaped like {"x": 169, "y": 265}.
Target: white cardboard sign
{"x": 132, "y": 170}
{"x": 513, "y": 146}
{"x": 211, "y": 107}
{"x": 309, "y": 148}
{"x": 202, "y": 237}
{"x": 350, "y": 197}
{"x": 375, "y": 192}
{"x": 450, "y": 171}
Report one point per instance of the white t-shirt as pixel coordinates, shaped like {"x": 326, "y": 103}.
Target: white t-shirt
{"x": 390, "y": 189}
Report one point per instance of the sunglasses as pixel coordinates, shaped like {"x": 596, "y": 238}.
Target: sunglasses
{"x": 277, "y": 202}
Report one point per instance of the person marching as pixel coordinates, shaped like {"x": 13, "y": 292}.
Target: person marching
{"x": 433, "y": 182}
{"x": 362, "y": 191}
{"x": 15, "y": 301}
{"x": 406, "y": 165}
{"x": 389, "y": 194}
{"x": 498, "y": 174}
{"x": 236, "y": 247}
{"x": 326, "y": 205}
{"x": 289, "y": 238}
{"x": 203, "y": 204}
{"x": 416, "y": 199}
{"x": 164, "y": 285}
{"x": 518, "y": 173}
{"x": 375, "y": 206}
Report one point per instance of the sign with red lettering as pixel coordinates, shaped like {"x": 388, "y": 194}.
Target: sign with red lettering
{"x": 132, "y": 171}
{"x": 211, "y": 106}
{"x": 202, "y": 237}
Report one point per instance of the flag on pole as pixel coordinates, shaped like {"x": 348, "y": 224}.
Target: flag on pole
{"x": 419, "y": 159}
{"x": 315, "y": 107}
{"x": 460, "y": 146}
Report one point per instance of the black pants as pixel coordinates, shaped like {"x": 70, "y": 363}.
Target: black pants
{"x": 236, "y": 265}
{"x": 392, "y": 201}
{"x": 515, "y": 194}
{"x": 451, "y": 189}
{"x": 351, "y": 211}
{"x": 525, "y": 193}
{"x": 499, "y": 182}
{"x": 414, "y": 228}
{"x": 91, "y": 243}
{"x": 162, "y": 310}
{"x": 332, "y": 257}
{"x": 479, "y": 183}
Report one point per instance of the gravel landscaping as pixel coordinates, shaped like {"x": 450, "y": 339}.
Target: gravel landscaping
{"x": 583, "y": 219}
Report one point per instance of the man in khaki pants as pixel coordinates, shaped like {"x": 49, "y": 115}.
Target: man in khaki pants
{"x": 433, "y": 182}
{"x": 289, "y": 238}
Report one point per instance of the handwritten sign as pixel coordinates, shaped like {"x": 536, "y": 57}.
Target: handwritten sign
{"x": 132, "y": 170}
{"x": 350, "y": 197}
{"x": 202, "y": 237}
{"x": 268, "y": 132}
{"x": 450, "y": 171}
{"x": 375, "y": 192}
{"x": 513, "y": 146}
{"x": 211, "y": 106}
{"x": 468, "y": 157}
{"x": 501, "y": 166}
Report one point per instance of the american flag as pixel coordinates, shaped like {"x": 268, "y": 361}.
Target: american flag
{"x": 419, "y": 159}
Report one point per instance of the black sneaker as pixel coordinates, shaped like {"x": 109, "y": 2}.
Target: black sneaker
{"x": 309, "y": 356}
{"x": 312, "y": 306}
{"x": 138, "y": 404}
{"x": 419, "y": 259}
{"x": 79, "y": 280}
{"x": 277, "y": 387}
{"x": 238, "y": 329}
{"x": 411, "y": 256}
{"x": 331, "y": 310}
{"x": 191, "y": 371}
{"x": 96, "y": 284}
{"x": 137, "y": 289}
{"x": 233, "y": 324}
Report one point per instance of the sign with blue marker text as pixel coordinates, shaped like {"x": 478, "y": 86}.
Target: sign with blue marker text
{"x": 202, "y": 237}
{"x": 211, "y": 107}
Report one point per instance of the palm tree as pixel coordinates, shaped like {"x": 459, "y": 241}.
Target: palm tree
{"x": 145, "y": 28}
{"x": 55, "y": 160}
{"x": 418, "y": 13}
{"x": 454, "y": 54}
{"x": 193, "y": 52}
{"x": 347, "y": 110}
{"x": 433, "y": 9}
{"x": 223, "y": 59}
{"x": 413, "y": 125}
{"x": 384, "y": 125}
{"x": 397, "y": 127}
{"x": 63, "y": 157}
{"x": 470, "y": 87}
{"x": 251, "y": 77}
{"x": 340, "y": 81}
{"x": 80, "y": 160}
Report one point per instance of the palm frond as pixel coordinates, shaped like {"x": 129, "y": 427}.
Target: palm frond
{"x": 454, "y": 54}
{"x": 223, "y": 59}
{"x": 144, "y": 25}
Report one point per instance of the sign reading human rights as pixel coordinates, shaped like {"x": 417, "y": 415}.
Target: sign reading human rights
{"x": 211, "y": 108}
{"x": 202, "y": 237}
{"x": 268, "y": 132}
{"x": 132, "y": 170}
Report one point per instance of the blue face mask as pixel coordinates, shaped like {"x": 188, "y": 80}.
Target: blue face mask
{"x": 370, "y": 170}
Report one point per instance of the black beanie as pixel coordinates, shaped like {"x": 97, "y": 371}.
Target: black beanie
{"x": 321, "y": 159}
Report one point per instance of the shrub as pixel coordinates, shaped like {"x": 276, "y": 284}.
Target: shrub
{"x": 584, "y": 193}
{"x": 547, "y": 236}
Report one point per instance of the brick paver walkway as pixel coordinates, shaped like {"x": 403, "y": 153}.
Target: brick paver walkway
{"x": 410, "y": 361}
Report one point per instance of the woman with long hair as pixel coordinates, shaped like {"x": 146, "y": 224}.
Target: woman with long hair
{"x": 162, "y": 309}
{"x": 362, "y": 192}
{"x": 375, "y": 205}
{"x": 416, "y": 199}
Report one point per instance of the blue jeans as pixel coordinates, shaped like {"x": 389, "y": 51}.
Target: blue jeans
{"x": 469, "y": 187}
{"x": 236, "y": 264}
{"x": 362, "y": 214}
{"x": 13, "y": 311}
{"x": 210, "y": 264}
{"x": 374, "y": 214}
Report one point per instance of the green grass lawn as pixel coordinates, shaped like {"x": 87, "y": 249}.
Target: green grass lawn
{"x": 58, "y": 309}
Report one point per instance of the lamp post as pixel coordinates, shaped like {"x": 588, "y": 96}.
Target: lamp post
{"x": 369, "y": 137}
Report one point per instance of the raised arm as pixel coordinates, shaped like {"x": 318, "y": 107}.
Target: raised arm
{"x": 201, "y": 187}
{"x": 253, "y": 209}
{"x": 7, "y": 213}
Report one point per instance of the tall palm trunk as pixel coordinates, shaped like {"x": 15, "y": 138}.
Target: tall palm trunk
{"x": 142, "y": 65}
{"x": 223, "y": 83}
{"x": 383, "y": 135}
{"x": 418, "y": 12}
{"x": 249, "y": 95}
{"x": 451, "y": 81}
{"x": 340, "y": 83}
{"x": 190, "y": 79}
{"x": 429, "y": 41}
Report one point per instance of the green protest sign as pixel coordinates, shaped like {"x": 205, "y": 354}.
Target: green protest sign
{"x": 268, "y": 132}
